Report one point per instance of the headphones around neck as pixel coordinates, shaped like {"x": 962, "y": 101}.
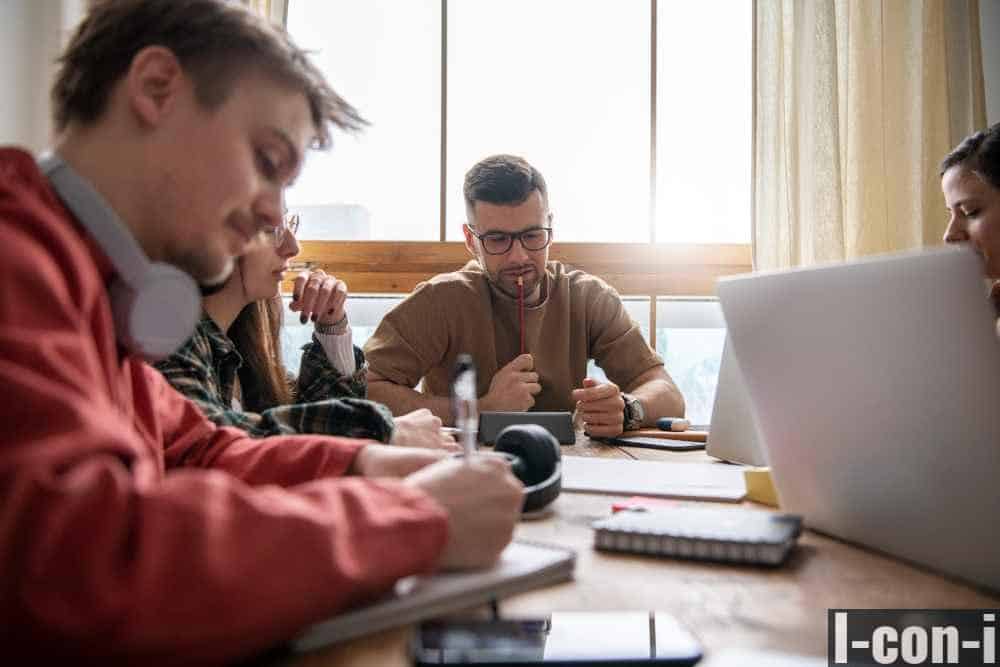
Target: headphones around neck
{"x": 155, "y": 305}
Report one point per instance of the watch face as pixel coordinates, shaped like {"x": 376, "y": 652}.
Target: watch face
{"x": 634, "y": 414}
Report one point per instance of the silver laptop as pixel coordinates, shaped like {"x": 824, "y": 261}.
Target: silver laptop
{"x": 733, "y": 435}
{"x": 876, "y": 387}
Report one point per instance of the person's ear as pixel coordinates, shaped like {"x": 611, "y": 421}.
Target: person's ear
{"x": 470, "y": 241}
{"x": 153, "y": 83}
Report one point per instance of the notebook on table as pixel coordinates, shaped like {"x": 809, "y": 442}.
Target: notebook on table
{"x": 731, "y": 535}
{"x": 522, "y": 566}
{"x": 702, "y": 481}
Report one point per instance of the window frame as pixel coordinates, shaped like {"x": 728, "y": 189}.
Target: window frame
{"x": 635, "y": 269}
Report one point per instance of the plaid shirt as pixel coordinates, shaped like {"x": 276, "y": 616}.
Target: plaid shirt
{"x": 206, "y": 367}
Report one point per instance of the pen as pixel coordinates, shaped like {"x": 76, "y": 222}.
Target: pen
{"x": 672, "y": 424}
{"x": 463, "y": 398}
{"x": 520, "y": 308}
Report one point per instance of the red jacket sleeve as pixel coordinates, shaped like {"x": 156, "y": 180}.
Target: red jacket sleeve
{"x": 109, "y": 556}
{"x": 192, "y": 440}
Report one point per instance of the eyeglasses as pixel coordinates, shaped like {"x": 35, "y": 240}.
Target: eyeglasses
{"x": 289, "y": 226}
{"x": 499, "y": 243}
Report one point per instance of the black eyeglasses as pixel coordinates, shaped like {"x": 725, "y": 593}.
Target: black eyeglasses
{"x": 289, "y": 227}
{"x": 499, "y": 243}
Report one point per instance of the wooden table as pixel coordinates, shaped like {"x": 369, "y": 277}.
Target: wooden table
{"x": 725, "y": 606}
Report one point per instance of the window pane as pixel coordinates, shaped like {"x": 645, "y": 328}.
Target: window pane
{"x": 704, "y": 98}
{"x": 564, "y": 84}
{"x": 689, "y": 337}
{"x": 363, "y": 312}
{"x": 384, "y": 57}
{"x": 638, "y": 310}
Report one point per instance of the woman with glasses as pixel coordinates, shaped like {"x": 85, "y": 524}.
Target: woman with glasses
{"x": 232, "y": 366}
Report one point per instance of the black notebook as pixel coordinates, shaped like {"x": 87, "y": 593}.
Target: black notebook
{"x": 733, "y": 535}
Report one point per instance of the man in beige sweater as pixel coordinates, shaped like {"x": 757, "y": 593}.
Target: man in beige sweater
{"x": 531, "y": 325}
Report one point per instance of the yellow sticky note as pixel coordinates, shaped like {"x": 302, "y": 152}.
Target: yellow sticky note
{"x": 760, "y": 489}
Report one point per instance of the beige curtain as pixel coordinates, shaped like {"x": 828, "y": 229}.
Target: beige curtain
{"x": 857, "y": 101}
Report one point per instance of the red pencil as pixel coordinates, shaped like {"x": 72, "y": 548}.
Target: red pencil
{"x": 520, "y": 307}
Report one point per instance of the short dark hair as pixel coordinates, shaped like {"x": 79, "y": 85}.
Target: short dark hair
{"x": 502, "y": 179}
{"x": 214, "y": 40}
{"x": 980, "y": 153}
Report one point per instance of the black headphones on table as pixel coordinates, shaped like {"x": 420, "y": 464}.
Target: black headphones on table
{"x": 535, "y": 459}
{"x": 155, "y": 305}
{"x": 532, "y": 451}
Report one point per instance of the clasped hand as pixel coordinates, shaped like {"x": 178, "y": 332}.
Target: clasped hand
{"x": 600, "y": 407}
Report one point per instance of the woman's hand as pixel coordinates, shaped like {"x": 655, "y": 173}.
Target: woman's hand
{"x": 421, "y": 428}
{"x": 319, "y": 297}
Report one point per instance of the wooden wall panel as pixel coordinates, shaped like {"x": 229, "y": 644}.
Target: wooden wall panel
{"x": 640, "y": 269}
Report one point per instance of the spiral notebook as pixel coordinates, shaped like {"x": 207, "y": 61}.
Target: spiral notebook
{"x": 731, "y": 535}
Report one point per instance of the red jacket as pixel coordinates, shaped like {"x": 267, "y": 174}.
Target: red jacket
{"x": 132, "y": 529}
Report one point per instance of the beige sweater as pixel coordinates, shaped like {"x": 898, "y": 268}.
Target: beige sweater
{"x": 578, "y": 317}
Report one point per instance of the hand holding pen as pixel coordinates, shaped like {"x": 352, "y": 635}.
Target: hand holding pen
{"x": 514, "y": 387}
{"x": 483, "y": 500}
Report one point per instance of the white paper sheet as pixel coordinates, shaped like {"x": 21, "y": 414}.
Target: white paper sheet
{"x": 703, "y": 481}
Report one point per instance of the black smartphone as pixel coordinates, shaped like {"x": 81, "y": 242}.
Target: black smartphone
{"x": 562, "y": 639}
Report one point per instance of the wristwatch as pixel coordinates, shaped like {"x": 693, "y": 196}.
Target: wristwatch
{"x": 634, "y": 413}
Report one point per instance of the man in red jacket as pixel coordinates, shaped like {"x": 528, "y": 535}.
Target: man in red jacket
{"x": 132, "y": 529}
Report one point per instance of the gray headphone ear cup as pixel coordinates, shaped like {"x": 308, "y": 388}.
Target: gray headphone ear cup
{"x": 156, "y": 316}
{"x": 155, "y": 306}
